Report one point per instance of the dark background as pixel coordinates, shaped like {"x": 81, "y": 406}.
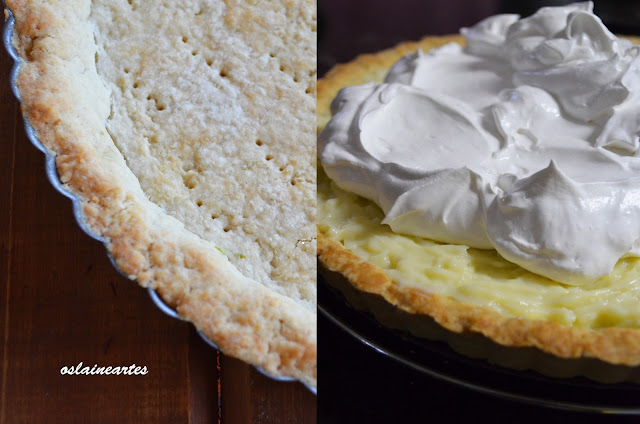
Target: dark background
{"x": 357, "y": 383}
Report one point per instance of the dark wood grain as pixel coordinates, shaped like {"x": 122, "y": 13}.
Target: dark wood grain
{"x": 7, "y": 129}
{"x": 244, "y": 385}
{"x": 63, "y": 303}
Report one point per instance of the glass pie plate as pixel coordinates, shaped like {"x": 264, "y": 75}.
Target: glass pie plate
{"x": 523, "y": 375}
{"x": 52, "y": 174}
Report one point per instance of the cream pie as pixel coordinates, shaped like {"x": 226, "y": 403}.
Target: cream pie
{"x": 490, "y": 181}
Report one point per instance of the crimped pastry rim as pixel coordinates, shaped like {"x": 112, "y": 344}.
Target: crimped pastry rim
{"x": 614, "y": 345}
{"x": 291, "y": 357}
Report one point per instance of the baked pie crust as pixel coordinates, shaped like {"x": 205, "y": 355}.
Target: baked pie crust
{"x": 185, "y": 129}
{"x": 601, "y": 340}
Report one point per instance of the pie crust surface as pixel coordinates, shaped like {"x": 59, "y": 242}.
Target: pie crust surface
{"x": 186, "y": 130}
{"x": 466, "y": 289}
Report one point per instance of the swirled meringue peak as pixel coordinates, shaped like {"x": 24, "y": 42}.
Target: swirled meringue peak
{"x": 525, "y": 141}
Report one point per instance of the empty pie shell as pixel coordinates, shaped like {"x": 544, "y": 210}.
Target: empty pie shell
{"x": 184, "y": 133}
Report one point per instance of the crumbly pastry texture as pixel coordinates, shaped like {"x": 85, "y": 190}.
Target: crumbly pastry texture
{"x": 186, "y": 129}
{"x": 447, "y": 282}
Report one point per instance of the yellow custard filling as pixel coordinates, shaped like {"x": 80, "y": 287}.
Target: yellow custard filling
{"x": 480, "y": 277}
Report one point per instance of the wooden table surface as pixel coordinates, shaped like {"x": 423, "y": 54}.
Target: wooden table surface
{"x": 63, "y": 303}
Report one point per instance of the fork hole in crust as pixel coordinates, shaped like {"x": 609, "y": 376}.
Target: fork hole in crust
{"x": 189, "y": 181}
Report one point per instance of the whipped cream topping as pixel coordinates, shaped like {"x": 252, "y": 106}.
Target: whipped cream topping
{"x": 526, "y": 141}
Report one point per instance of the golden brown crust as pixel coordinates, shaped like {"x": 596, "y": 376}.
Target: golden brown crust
{"x": 243, "y": 317}
{"x": 614, "y": 345}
